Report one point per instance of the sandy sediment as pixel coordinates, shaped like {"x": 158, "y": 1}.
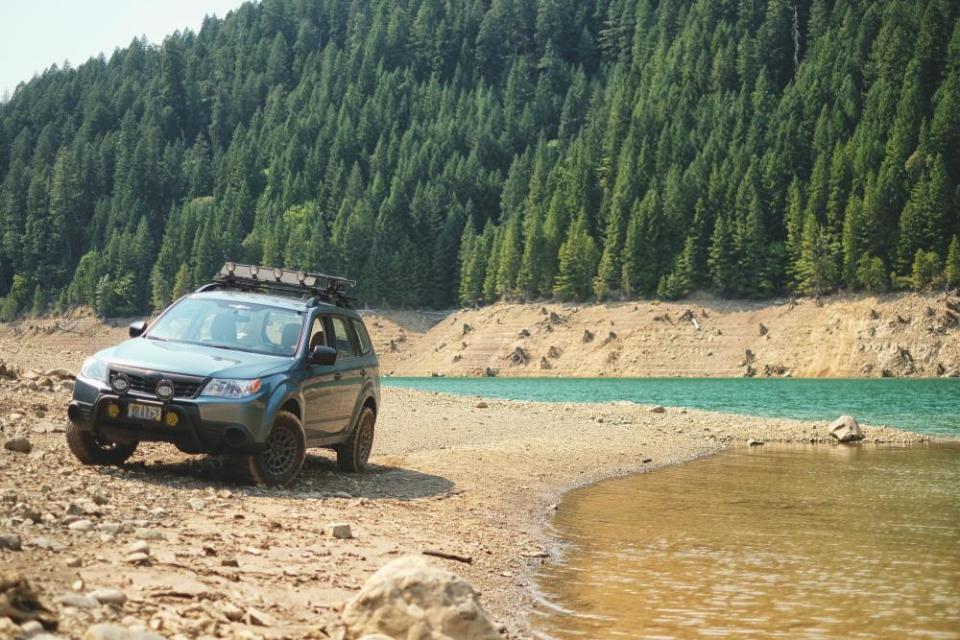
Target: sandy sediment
{"x": 456, "y": 475}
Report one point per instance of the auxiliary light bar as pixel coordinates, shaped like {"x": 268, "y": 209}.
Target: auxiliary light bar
{"x": 267, "y": 276}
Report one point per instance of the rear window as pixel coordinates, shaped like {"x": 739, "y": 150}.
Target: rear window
{"x": 362, "y": 336}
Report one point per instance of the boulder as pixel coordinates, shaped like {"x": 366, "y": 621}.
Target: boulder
{"x": 410, "y": 598}
{"x": 846, "y": 429}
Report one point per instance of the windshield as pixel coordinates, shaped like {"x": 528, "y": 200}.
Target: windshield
{"x": 229, "y": 324}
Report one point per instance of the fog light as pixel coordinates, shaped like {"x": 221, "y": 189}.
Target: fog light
{"x": 113, "y": 410}
{"x": 172, "y": 419}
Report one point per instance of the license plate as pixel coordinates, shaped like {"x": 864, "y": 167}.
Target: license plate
{"x": 144, "y": 412}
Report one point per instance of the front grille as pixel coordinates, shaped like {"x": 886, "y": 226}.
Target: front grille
{"x": 145, "y": 382}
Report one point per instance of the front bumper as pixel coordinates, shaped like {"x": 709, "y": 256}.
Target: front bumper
{"x": 201, "y": 426}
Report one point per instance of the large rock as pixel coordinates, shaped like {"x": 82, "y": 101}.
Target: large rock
{"x": 846, "y": 429}
{"x": 410, "y": 598}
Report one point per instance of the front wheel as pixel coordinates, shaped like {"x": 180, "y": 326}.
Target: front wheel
{"x": 93, "y": 449}
{"x": 353, "y": 454}
{"x": 285, "y": 450}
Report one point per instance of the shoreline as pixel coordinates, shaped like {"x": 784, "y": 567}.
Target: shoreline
{"x": 455, "y": 473}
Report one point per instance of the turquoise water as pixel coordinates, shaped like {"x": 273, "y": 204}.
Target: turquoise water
{"x": 924, "y": 405}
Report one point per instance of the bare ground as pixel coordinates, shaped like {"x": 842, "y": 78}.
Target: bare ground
{"x": 448, "y": 476}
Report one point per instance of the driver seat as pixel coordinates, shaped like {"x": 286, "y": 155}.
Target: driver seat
{"x": 290, "y": 336}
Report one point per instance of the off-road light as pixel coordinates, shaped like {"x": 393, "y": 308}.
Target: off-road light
{"x": 120, "y": 384}
{"x": 172, "y": 419}
{"x": 113, "y": 410}
{"x": 302, "y": 277}
{"x": 254, "y": 270}
{"x": 277, "y": 274}
{"x": 231, "y": 267}
{"x": 165, "y": 390}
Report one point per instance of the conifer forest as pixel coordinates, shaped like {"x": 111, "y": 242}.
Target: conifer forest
{"x": 447, "y": 152}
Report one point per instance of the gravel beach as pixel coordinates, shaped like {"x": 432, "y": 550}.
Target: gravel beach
{"x": 467, "y": 481}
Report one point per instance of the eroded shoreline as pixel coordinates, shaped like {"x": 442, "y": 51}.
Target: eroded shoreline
{"x": 452, "y": 474}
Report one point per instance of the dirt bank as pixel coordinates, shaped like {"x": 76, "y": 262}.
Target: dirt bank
{"x": 845, "y": 336}
{"x": 226, "y": 560}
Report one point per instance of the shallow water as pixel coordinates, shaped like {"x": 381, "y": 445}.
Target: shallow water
{"x": 769, "y": 542}
{"x": 924, "y": 405}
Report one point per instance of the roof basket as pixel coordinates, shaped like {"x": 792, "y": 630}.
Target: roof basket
{"x": 283, "y": 281}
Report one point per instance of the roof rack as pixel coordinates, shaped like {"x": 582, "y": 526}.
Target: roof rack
{"x": 319, "y": 286}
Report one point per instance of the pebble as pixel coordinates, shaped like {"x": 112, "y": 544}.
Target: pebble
{"x": 754, "y": 443}
{"x": 108, "y": 595}
{"x": 74, "y": 562}
{"x": 259, "y": 618}
{"x": 140, "y": 546}
{"x": 80, "y": 525}
{"x": 149, "y": 534}
{"x": 341, "y": 530}
{"x": 482, "y": 405}
{"x": 10, "y": 542}
{"x": 232, "y": 612}
{"x": 137, "y": 558}
{"x": 658, "y": 409}
{"x": 78, "y": 601}
{"x": 197, "y": 504}
{"x": 18, "y": 445}
{"x": 45, "y": 543}
{"x": 105, "y": 631}
{"x": 31, "y": 628}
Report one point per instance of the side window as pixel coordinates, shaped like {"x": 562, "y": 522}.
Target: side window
{"x": 362, "y": 336}
{"x": 341, "y": 333}
{"x": 318, "y": 334}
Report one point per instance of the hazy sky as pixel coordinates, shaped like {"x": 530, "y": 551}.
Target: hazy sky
{"x": 35, "y": 34}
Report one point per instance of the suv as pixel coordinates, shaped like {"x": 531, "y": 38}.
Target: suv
{"x": 260, "y": 364}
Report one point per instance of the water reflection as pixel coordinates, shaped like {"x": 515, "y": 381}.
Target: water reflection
{"x": 789, "y": 542}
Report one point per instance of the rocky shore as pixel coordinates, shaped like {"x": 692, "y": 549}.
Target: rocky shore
{"x": 170, "y": 545}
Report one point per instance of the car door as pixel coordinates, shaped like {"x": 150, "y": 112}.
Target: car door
{"x": 320, "y": 394}
{"x": 350, "y": 367}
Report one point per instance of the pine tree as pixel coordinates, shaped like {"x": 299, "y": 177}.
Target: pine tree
{"x": 817, "y": 268}
{"x": 926, "y": 270}
{"x": 578, "y": 262}
{"x": 951, "y": 270}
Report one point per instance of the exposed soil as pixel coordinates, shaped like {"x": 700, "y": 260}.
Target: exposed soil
{"x": 897, "y": 335}
{"x": 452, "y": 475}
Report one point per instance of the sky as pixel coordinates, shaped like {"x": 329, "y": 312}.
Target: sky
{"x": 35, "y": 34}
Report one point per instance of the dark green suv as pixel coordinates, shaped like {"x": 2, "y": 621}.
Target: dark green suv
{"x": 260, "y": 365}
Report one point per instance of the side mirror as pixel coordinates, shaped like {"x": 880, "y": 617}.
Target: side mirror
{"x": 323, "y": 355}
{"x": 137, "y": 328}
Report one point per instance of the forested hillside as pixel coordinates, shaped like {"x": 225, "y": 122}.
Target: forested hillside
{"x": 445, "y": 151}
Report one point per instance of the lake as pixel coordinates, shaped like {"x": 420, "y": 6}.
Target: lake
{"x": 930, "y": 406}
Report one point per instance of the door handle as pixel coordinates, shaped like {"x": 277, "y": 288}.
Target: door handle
{"x": 336, "y": 376}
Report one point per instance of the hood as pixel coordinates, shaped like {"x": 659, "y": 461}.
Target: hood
{"x": 193, "y": 359}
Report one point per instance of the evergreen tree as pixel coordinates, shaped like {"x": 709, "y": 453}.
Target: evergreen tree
{"x": 951, "y": 270}
{"x": 578, "y": 262}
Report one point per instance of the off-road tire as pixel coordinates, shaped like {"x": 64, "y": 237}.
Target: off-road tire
{"x": 97, "y": 450}
{"x": 353, "y": 454}
{"x": 280, "y": 462}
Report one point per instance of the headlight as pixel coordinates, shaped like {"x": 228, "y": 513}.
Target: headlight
{"x": 222, "y": 388}
{"x": 94, "y": 369}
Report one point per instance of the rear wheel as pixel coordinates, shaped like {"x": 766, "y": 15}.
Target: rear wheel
{"x": 285, "y": 450}
{"x": 90, "y": 448}
{"x": 353, "y": 454}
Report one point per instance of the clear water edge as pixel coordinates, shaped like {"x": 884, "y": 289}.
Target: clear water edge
{"x": 752, "y": 543}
